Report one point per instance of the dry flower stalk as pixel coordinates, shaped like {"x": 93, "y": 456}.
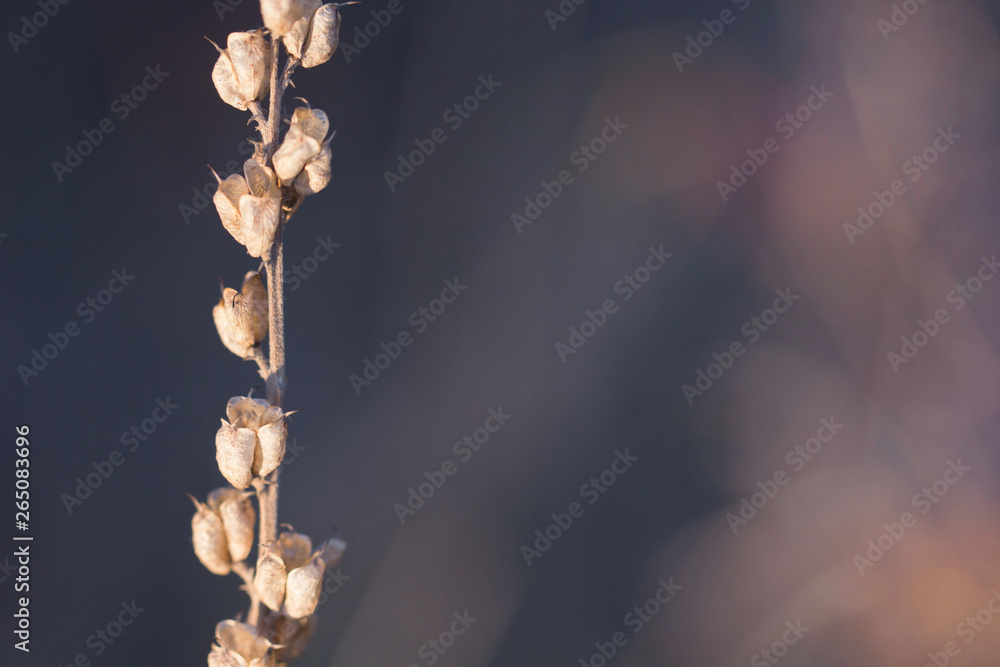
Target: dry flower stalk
{"x": 285, "y": 583}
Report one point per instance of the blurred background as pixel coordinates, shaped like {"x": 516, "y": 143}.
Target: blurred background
{"x": 807, "y": 401}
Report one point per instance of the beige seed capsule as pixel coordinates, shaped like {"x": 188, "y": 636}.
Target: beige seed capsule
{"x": 234, "y": 452}
{"x": 226, "y": 83}
{"x": 313, "y": 122}
{"x": 241, "y": 318}
{"x": 259, "y": 219}
{"x": 238, "y": 644}
{"x": 296, "y": 149}
{"x": 295, "y": 39}
{"x": 272, "y": 436}
{"x": 261, "y": 181}
{"x": 295, "y": 549}
{"x": 270, "y": 577}
{"x": 227, "y": 202}
{"x": 245, "y": 411}
{"x": 304, "y": 587}
{"x": 280, "y": 15}
{"x": 251, "y": 58}
{"x": 316, "y": 174}
{"x": 254, "y": 299}
{"x": 324, "y": 36}
{"x": 209, "y": 539}
{"x": 238, "y": 519}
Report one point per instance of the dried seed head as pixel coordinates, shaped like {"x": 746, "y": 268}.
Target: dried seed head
{"x": 293, "y": 636}
{"x": 272, "y": 435}
{"x": 332, "y": 551}
{"x": 241, "y": 317}
{"x": 270, "y": 577}
{"x": 313, "y": 122}
{"x": 316, "y": 174}
{"x": 259, "y": 218}
{"x": 238, "y": 644}
{"x": 226, "y": 83}
{"x": 280, "y": 15}
{"x": 324, "y": 36}
{"x": 227, "y": 203}
{"x": 234, "y": 452}
{"x": 238, "y": 518}
{"x": 209, "y": 538}
{"x": 245, "y": 411}
{"x": 295, "y": 549}
{"x": 295, "y": 39}
{"x": 304, "y": 587}
{"x": 251, "y": 58}
{"x": 296, "y": 149}
{"x": 260, "y": 179}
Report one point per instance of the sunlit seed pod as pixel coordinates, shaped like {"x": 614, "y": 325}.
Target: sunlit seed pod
{"x": 259, "y": 219}
{"x": 295, "y": 39}
{"x": 313, "y": 122}
{"x": 324, "y": 36}
{"x": 293, "y": 636}
{"x": 238, "y": 519}
{"x": 245, "y": 411}
{"x": 227, "y": 203}
{"x": 209, "y": 539}
{"x": 316, "y": 174}
{"x": 226, "y": 82}
{"x": 251, "y": 58}
{"x": 238, "y": 644}
{"x": 280, "y": 15}
{"x": 303, "y": 588}
{"x": 272, "y": 437}
{"x": 332, "y": 551}
{"x": 295, "y": 549}
{"x": 261, "y": 181}
{"x": 234, "y": 452}
{"x": 234, "y": 327}
{"x": 270, "y": 576}
{"x": 296, "y": 149}
{"x": 254, "y": 296}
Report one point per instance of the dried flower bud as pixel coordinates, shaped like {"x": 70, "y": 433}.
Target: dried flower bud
{"x": 296, "y": 149}
{"x": 303, "y": 588}
{"x": 324, "y": 36}
{"x": 209, "y": 539}
{"x": 241, "y": 317}
{"x": 238, "y": 518}
{"x": 251, "y": 58}
{"x": 237, "y": 645}
{"x": 234, "y": 452}
{"x": 292, "y": 636}
{"x": 280, "y": 15}
{"x": 316, "y": 174}
{"x": 227, "y": 203}
{"x": 271, "y": 576}
{"x": 332, "y": 551}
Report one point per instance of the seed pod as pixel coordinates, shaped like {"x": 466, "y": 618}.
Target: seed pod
{"x": 241, "y": 317}
{"x": 304, "y": 587}
{"x": 238, "y": 518}
{"x": 234, "y": 452}
{"x": 272, "y": 436}
{"x": 238, "y": 644}
{"x": 209, "y": 539}
{"x": 270, "y": 577}
{"x": 332, "y": 551}
{"x": 294, "y": 548}
{"x": 259, "y": 222}
{"x": 293, "y": 635}
{"x": 313, "y": 122}
{"x": 260, "y": 179}
{"x": 251, "y": 58}
{"x": 316, "y": 174}
{"x": 295, "y": 39}
{"x": 227, "y": 203}
{"x": 296, "y": 149}
{"x": 280, "y": 15}
{"x": 226, "y": 83}
{"x": 245, "y": 411}
{"x": 324, "y": 36}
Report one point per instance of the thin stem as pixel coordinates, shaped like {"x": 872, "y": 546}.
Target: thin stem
{"x": 246, "y": 574}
